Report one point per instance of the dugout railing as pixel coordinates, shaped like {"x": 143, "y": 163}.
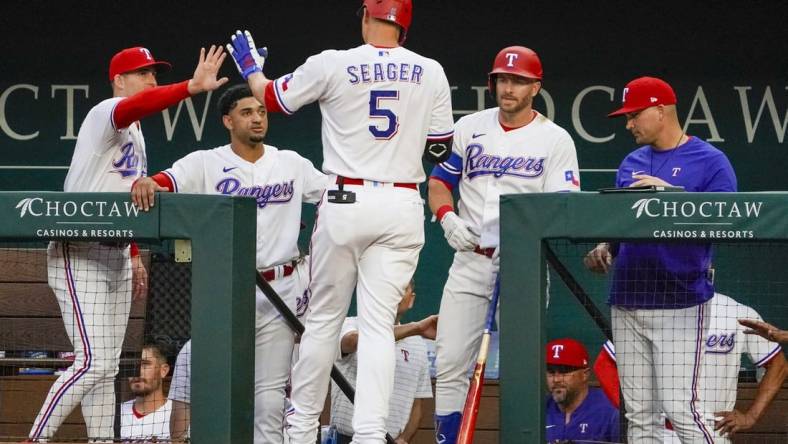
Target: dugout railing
{"x": 221, "y": 236}
{"x": 533, "y": 226}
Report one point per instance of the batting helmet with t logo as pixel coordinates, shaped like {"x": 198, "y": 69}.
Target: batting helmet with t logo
{"x": 517, "y": 60}
{"x": 399, "y": 12}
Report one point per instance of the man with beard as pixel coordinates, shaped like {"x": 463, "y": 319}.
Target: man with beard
{"x": 575, "y": 412}
{"x": 147, "y": 417}
{"x": 508, "y": 149}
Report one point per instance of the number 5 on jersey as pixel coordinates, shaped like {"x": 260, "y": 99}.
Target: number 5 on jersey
{"x": 378, "y": 111}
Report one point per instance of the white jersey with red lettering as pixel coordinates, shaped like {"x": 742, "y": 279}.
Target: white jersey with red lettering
{"x": 136, "y": 427}
{"x": 488, "y": 161}
{"x": 379, "y": 107}
{"x": 106, "y": 158}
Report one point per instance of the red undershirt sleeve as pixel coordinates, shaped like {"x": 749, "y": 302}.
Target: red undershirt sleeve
{"x": 147, "y": 102}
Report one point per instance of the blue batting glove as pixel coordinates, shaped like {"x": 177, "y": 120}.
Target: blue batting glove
{"x": 248, "y": 59}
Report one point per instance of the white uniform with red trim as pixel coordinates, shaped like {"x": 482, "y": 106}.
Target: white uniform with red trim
{"x": 92, "y": 282}
{"x": 379, "y": 107}
{"x": 135, "y": 427}
{"x": 280, "y": 181}
{"x": 724, "y": 345}
{"x": 488, "y": 161}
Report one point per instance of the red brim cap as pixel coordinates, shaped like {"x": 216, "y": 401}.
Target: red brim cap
{"x": 645, "y": 92}
{"x": 132, "y": 59}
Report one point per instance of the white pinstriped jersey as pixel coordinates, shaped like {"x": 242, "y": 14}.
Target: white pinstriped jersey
{"x": 379, "y": 106}
{"x": 138, "y": 428}
{"x": 411, "y": 381}
{"x": 106, "y": 158}
{"x": 280, "y": 181}
{"x": 724, "y": 345}
{"x": 487, "y": 162}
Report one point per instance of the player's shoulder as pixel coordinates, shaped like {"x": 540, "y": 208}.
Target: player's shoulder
{"x": 547, "y": 125}
{"x": 127, "y": 406}
{"x": 485, "y": 117}
{"x": 103, "y": 108}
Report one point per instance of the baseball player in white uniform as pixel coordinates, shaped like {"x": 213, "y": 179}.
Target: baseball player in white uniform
{"x": 146, "y": 418}
{"x": 724, "y": 344}
{"x": 93, "y": 280}
{"x": 383, "y": 108}
{"x": 508, "y": 149}
{"x": 280, "y": 181}
{"x": 411, "y": 375}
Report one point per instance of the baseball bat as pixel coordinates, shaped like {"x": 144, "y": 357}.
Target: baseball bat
{"x": 471, "y": 410}
{"x": 574, "y": 287}
{"x": 298, "y": 327}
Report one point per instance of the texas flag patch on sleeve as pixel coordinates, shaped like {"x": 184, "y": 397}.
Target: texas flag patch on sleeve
{"x": 569, "y": 176}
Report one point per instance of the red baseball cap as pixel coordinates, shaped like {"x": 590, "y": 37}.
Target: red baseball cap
{"x": 566, "y": 351}
{"x": 131, "y": 59}
{"x": 645, "y": 92}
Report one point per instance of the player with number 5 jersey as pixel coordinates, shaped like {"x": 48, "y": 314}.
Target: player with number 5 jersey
{"x": 384, "y": 108}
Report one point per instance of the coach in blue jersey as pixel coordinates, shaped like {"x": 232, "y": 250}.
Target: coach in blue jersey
{"x": 576, "y": 412}
{"x": 660, "y": 291}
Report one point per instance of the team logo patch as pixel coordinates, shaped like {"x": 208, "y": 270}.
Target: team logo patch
{"x": 569, "y": 176}
{"x": 302, "y": 302}
{"x": 479, "y": 163}
{"x": 129, "y": 163}
{"x": 278, "y": 193}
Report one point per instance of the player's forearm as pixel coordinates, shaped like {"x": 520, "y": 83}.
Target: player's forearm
{"x": 257, "y": 83}
{"x": 403, "y": 331}
{"x": 413, "y": 422}
{"x": 147, "y": 102}
{"x": 776, "y": 372}
{"x": 439, "y": 196}
{"x": 179, "y": 419}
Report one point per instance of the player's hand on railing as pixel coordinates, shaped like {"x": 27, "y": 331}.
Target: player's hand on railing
{"x": 143, "y": 192}
{"x": 599, "y": 259}
{"x": 204, "y": 78}
{"x": 428, "y": 327}
{"x": 248, "y": 58}
{"x": 139, "y": 279}
{"x": 645, "y": 179}
{"x": 729, "y": 423}
{"x": 458, "y": 233}
{"x": 764, "y": 330}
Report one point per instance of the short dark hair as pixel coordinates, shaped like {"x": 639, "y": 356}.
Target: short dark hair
{"x": 231, "y": 96}
{"x": 160, "y": 350}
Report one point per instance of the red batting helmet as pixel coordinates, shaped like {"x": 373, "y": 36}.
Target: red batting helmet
{"x": 399, "y": 12}
{"x": 517, "y": 60}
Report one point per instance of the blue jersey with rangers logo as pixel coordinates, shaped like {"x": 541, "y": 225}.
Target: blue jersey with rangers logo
{"x": 669, "y": 275}
{"x": 488, "y": 161}
{"x": 594, "y": 420}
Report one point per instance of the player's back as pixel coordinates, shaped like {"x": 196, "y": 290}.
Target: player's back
{"x": 378, "y": 106}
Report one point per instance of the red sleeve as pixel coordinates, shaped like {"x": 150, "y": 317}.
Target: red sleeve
{"x": 135, "y": 250}
{"x": 271, "y": 104}
{"x": 607, "y": 375}
{"x": 147, "y": 102}
{"x": 164, "y": 180}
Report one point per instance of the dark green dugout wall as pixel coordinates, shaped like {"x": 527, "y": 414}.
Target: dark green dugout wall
{"x": 726, "y": 61}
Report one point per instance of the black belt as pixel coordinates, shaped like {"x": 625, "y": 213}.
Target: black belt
{"x": 344, "y": 439}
